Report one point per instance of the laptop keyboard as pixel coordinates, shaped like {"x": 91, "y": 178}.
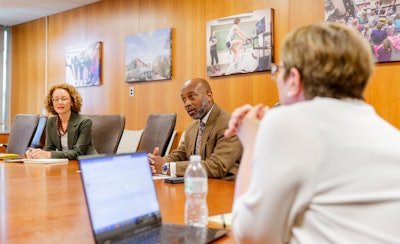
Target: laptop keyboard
{"x": 169, "y": 234}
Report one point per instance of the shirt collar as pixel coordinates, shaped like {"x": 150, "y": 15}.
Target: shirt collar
{"x": 205, "y": 118}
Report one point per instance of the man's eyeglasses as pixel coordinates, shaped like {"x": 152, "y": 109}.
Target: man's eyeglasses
{"x": 274, "y": 70}
{"x": 60, "y": 100}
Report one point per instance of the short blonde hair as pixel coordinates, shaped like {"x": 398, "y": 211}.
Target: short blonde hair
{"x": 334, "y": 60}
{"x": 74, "y": 94}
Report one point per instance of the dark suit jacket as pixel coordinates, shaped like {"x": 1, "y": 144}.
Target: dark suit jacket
{"x": 80, "y": 140}
{"x": 220, "y": 155}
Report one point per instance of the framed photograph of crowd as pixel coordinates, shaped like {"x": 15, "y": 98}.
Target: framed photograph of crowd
{"x": 83, "y": 64}
{"x": 241, "y": 43}
{"x": 148, "y": 56}
{"x": 377, "y": 20}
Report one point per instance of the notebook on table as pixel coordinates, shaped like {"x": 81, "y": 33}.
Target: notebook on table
{"x": 9, "y": 155}
{"x": 36, "y": 160}
{"x": 123, "y": 204}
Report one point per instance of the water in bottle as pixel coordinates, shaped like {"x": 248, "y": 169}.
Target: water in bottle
{"x": 196, "y": 188}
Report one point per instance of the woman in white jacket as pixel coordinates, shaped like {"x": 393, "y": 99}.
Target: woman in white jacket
{"x": 323, "y": 167}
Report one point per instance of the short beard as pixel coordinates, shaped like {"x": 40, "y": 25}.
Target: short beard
{"x": 202, "y": 111}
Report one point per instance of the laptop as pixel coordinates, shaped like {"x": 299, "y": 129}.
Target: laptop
{"x": 123, "y": 205}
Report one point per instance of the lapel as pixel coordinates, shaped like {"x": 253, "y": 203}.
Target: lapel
{"x": 53, "y": 132}
{"x": 72, "y": 129}
{"x": 210, "y": 124}
{"x": 192, "y": 132}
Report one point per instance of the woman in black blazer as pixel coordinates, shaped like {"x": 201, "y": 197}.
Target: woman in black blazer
{"x": 68, "y": 134}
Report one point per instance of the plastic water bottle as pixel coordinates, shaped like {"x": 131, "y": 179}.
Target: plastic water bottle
{"x": 196, "y": 188}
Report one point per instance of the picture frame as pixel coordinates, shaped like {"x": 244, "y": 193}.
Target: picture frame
{"x": 148, "y": 56}
{"x": 241, "y": 43}
{"x": 83, "y": 64}
{"x": 377, "y": 20}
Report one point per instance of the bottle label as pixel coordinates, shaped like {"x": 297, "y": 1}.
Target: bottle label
{"x": 196, "y": 185}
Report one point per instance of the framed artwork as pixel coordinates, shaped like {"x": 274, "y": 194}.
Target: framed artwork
{"x": 240, "y": 43}
{"x": 377, "y": 20}
{"x": 148, "y": 56}
{"x": 83, "y": 64}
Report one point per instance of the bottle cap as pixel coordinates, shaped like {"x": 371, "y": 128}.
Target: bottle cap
{"x": 195, "y": 158}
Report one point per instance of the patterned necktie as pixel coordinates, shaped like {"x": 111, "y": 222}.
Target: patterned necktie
{"x": 199, "y": 137}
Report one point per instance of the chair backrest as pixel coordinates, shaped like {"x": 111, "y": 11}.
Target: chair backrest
{"x": 21, "y": 133}
{"x": 157, "y": 133}
{"x": 130, "y": 141}
{"x": 39, "y": 138}
{"x": 107, "y": 131}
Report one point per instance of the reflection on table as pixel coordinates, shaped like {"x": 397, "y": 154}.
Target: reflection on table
{"x": 45, "y": 203}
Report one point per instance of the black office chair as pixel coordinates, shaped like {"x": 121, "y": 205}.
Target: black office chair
{"x": 107, "y": 131}
{"x": 21, "y": 133}
{"x": 157, "y": 133}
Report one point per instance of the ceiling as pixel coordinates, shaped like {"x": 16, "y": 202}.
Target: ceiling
{"x": 13, "y": 12}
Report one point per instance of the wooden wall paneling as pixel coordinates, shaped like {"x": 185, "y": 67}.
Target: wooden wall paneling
{"x": 107, "y": 22}
{"x": 305, "y": 12}
{"x": 190, "y": 51}
{"x": 383, "y": 92}
{"x": 27, "y": 67}
{"x": 110, "y": 21}
{"x": 135, "y": 115}
{"x": 3, "y": 140}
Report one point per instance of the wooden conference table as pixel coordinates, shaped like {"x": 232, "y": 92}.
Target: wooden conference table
{"x": 45, "y": 203}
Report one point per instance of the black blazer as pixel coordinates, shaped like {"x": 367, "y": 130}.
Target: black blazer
{"x": 80, "y": 140}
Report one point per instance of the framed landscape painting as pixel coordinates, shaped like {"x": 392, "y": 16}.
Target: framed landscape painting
{"x": 377, "y": 20}
{"x": 83, "y": 64}
{"x": 148, "y": 56}
{"x": 241, "y": 43}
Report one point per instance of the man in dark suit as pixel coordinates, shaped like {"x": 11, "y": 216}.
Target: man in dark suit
{"x": 220, "y": 155}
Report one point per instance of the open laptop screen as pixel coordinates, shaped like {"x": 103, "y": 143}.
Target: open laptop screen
{"x": 119, "y": 192}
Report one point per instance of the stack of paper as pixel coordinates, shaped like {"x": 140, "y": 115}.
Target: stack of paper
{"x": 46, "y": 160}
{"x": 224, "y": 220}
